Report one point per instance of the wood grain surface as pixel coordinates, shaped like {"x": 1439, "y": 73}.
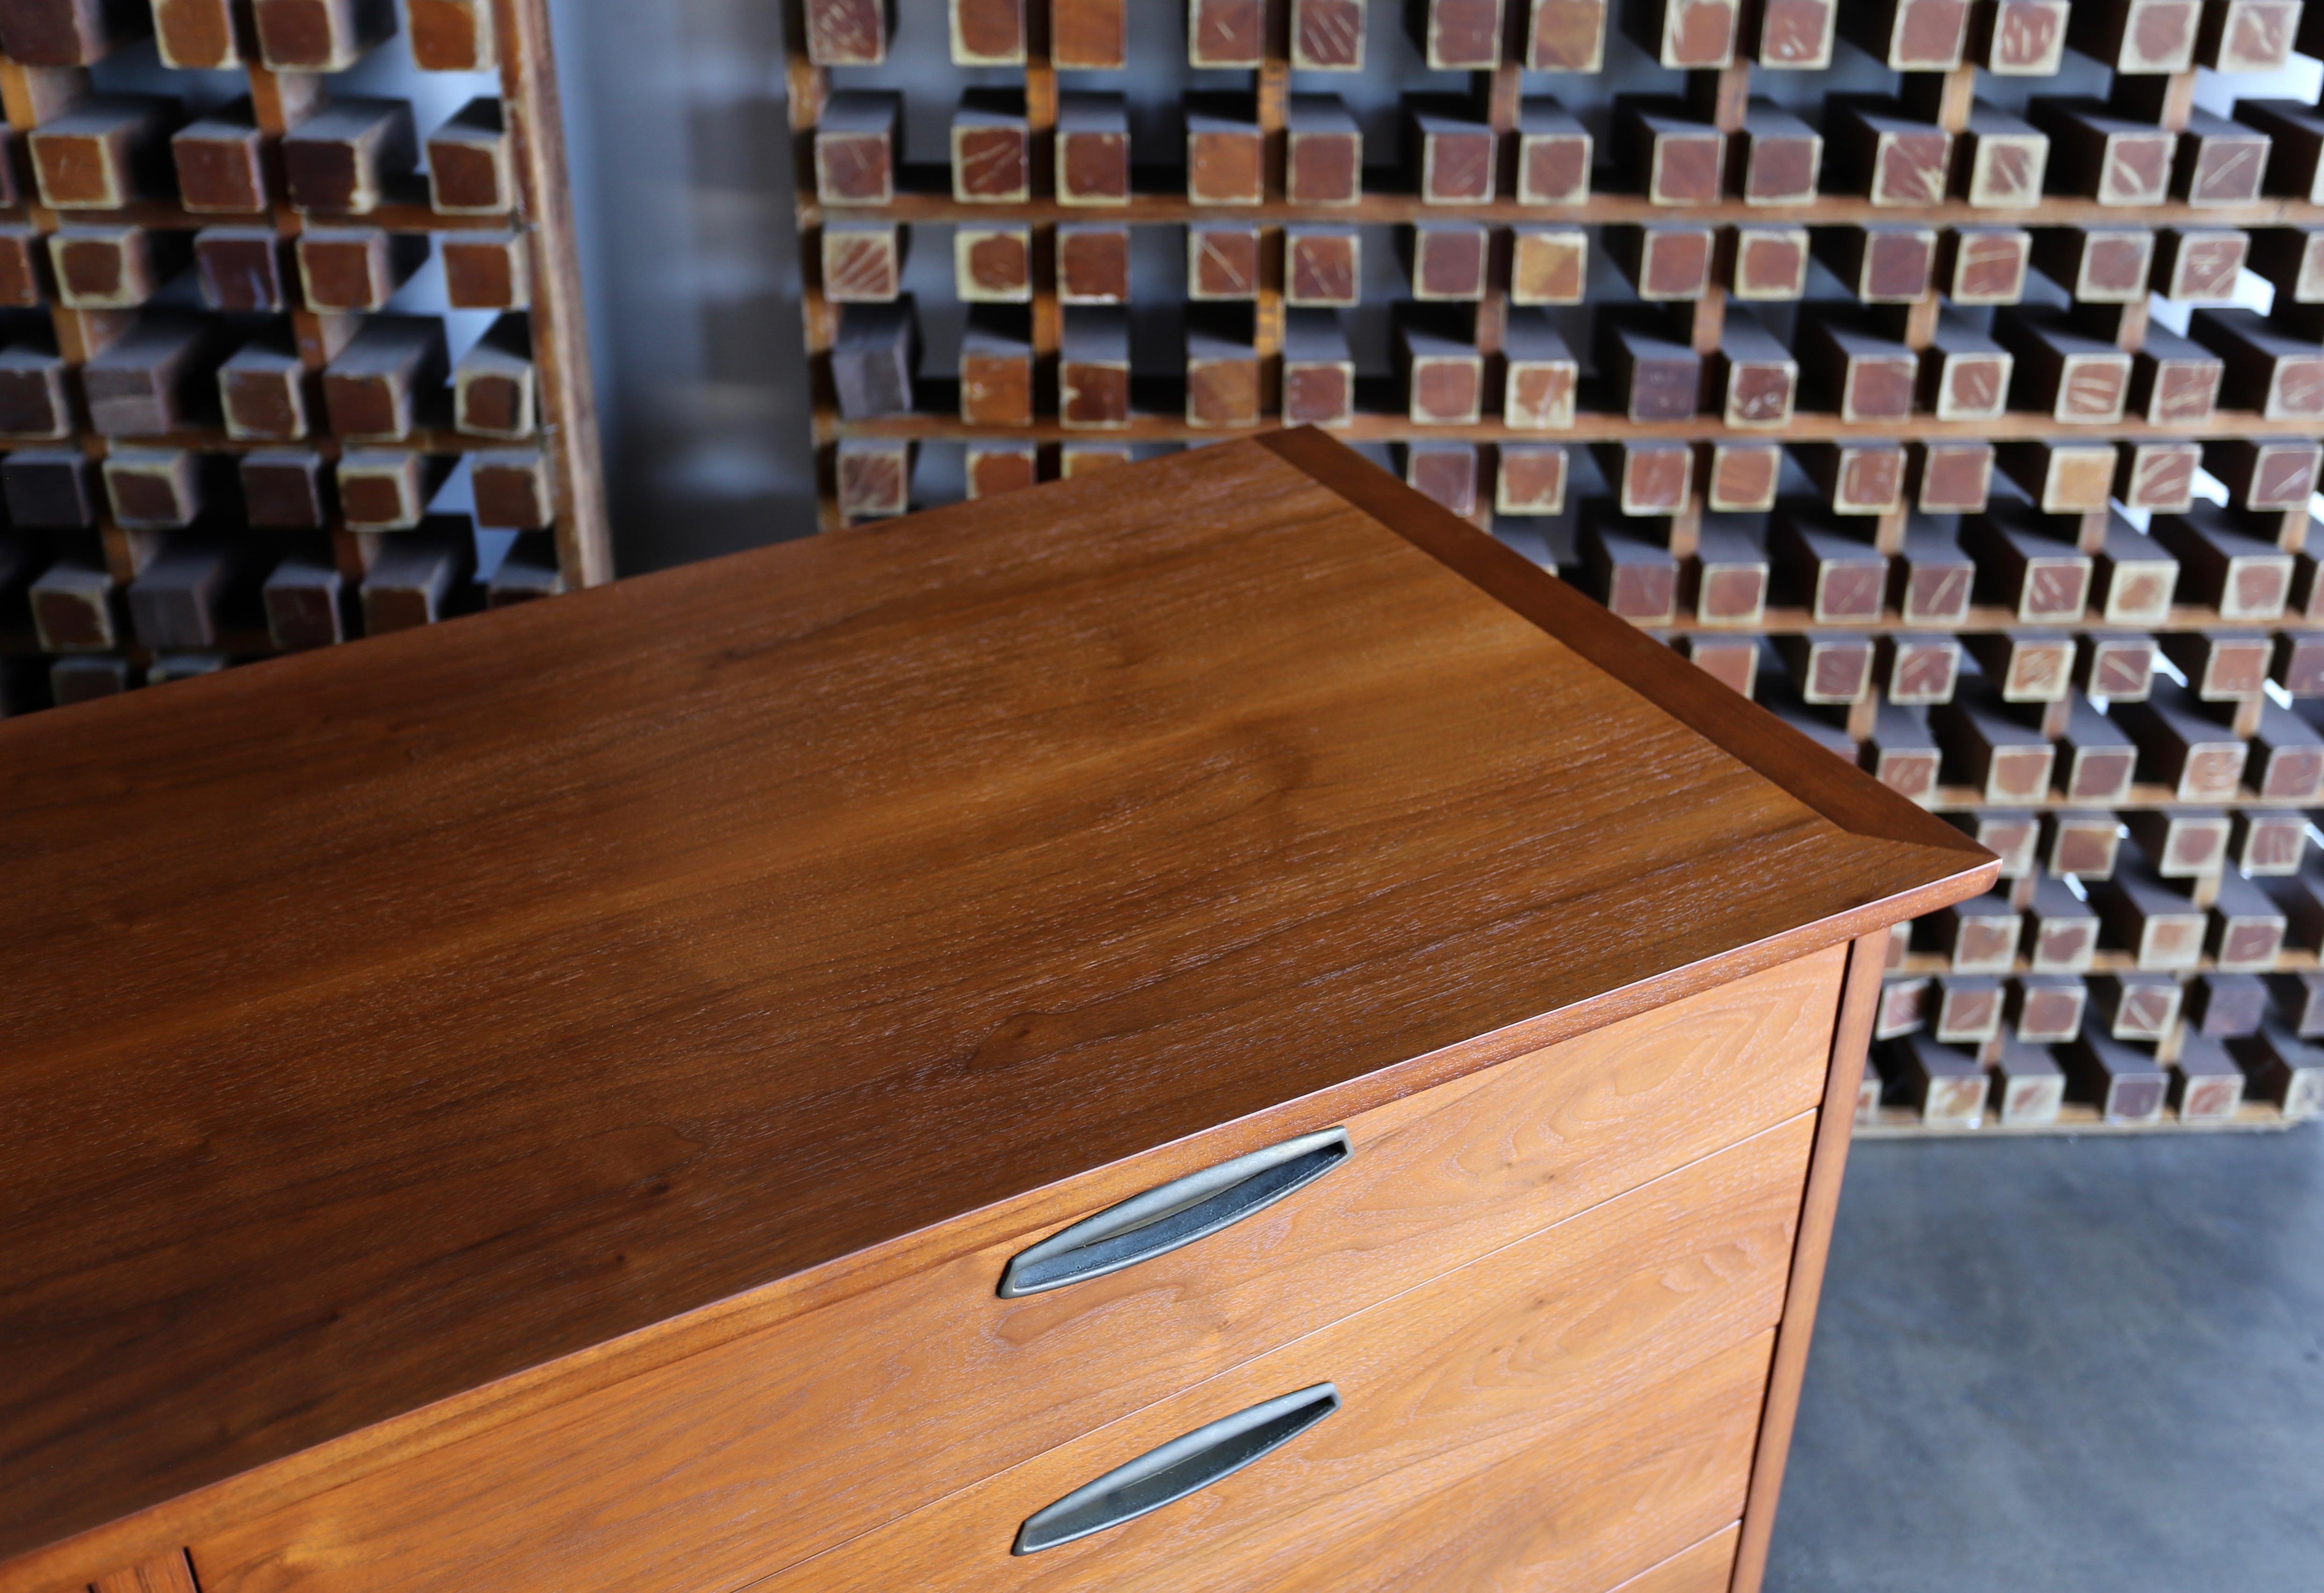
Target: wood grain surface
{"x": 1703, "y": 1569}
{"x": 937, "y": 1383}
{"x": 167, "y": 1574}
{"x": 1495, "y": 1365}
{"x": 385, "y": 1025}
{"x": 1580, "y": 1507}
{"x": 1575, "y": 1510}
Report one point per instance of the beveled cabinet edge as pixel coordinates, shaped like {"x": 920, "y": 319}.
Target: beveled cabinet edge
{"x": 1859, "y": 1000}
{"x": 1845, "y": 795}
{"x": 70, "y": 1564}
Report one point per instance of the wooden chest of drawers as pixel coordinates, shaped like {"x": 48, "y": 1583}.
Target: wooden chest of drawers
{"x": 1204, "y": 1028}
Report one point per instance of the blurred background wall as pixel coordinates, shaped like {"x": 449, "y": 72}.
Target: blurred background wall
{"x": 675, "y": 114}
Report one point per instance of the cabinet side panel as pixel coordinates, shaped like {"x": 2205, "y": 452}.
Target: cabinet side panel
{"x": 1852, "y": 1036}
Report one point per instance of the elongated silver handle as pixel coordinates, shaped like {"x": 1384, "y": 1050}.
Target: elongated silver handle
{"x": 1181, "y": 1466}
{"x": 1178, "y": 1213}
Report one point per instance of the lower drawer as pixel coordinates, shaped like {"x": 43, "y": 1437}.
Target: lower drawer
{"x": 751, "y": 1455}
{"x": 1565, "y": 1412}
{"x": 1580, "y": 1511}
{"x": 1709, "y": 1567}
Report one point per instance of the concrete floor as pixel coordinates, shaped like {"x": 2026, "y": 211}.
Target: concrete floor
{"x": 2094, "y": 1366}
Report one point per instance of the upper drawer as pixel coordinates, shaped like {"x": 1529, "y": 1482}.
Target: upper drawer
{"x": 1563, "y": 1413}
{"x": 734, "y": 1462}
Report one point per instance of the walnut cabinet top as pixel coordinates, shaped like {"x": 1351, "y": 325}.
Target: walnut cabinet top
{"x": 385, "y": 1022}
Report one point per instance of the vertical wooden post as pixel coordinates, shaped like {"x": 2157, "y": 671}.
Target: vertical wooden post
{"x": 1947, "y": 97}
{"x": 1273, "y": 86}
{"x": 2168, "y": 100}
{"x": 1724, "y": 97}
{"x": 560, "y": 335}
{"x": 809, "y": 86}
{"x": 1502, "y": 92}
{"x": 281, "y": 100}
{"x": 1041, "y": 122}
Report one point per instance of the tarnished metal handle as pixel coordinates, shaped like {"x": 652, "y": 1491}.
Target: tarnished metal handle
{"x": 1178, "y": 1213}
{"x": 1181, "y": 1466}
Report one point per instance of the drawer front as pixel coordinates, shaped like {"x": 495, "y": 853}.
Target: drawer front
{"x": 734, "y": 1462}
{"x": 1577, "y": 1512}
{"x": 1706, "y": 1568}
{"x": 1567, "y": 1412}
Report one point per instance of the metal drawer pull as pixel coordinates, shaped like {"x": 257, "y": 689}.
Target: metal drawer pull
{"x": 1181, "y": 1466}
{"x": 1178, "y": 1213}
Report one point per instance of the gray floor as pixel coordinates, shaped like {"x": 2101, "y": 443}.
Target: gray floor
{"x": 2091, "y": 1365}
